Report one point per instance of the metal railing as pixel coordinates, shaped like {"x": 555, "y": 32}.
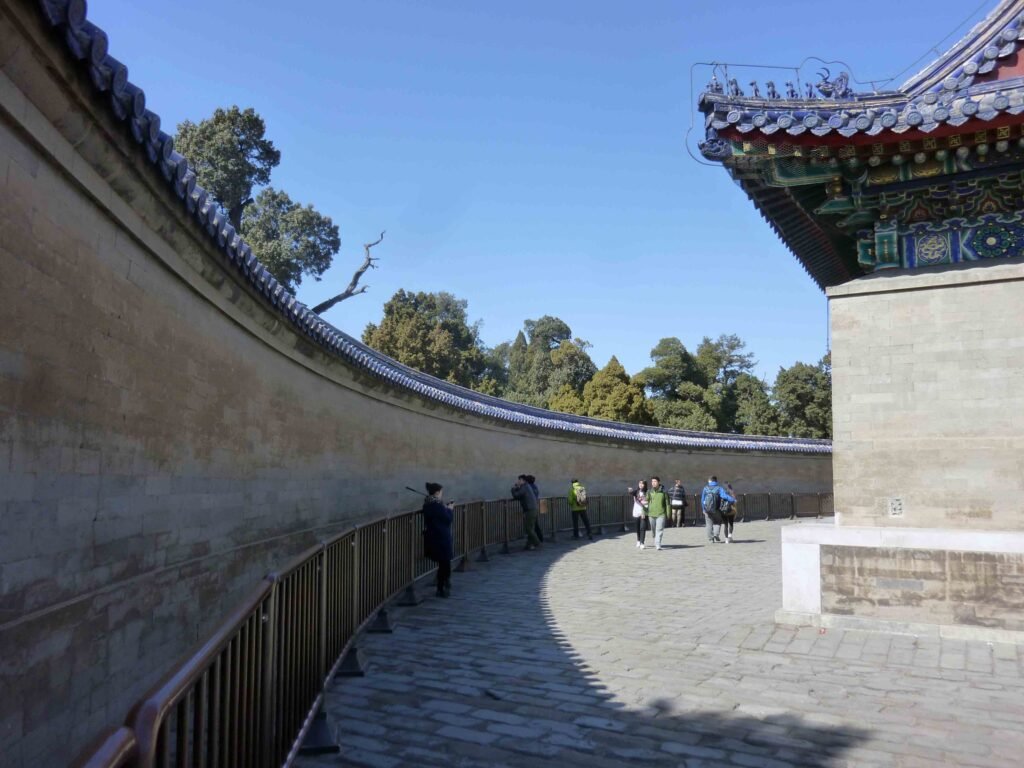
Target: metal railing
{"x": 249, "y": 693}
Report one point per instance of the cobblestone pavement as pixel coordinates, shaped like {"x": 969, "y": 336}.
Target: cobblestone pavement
{"x": 603, "y": 655}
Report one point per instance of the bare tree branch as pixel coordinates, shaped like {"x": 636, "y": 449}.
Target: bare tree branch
{"x": 350, "y": 291}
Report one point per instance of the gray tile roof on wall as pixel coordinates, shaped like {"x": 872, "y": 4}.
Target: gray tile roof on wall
{"x": 89, "y": 45}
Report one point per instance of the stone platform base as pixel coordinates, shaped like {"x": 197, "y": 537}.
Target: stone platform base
{"x": 953, "y": 584}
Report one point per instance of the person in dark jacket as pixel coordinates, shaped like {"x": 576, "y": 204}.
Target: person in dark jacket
{"x": 536, "y": 492}
{"x": 677, "y": 500}
{"x": 437, "y": 536}
{"x": 527, "y": 499}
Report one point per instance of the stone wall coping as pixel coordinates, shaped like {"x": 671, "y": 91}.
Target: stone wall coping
{"x": 896, "y": 280}
{"x": 829, "y": 533}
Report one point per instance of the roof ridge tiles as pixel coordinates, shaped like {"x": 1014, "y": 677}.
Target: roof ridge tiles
{"x": 951, "y": 77}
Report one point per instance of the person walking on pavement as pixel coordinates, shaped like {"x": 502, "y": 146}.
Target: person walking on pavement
{"x": 728, "y": 510}
{"x": 538, "y": 529}
{"x": 640, "y": 512}
{"x": 524, "y": 494}
{"x": 678, "y": 503}
{"x": 578, "y": 508}
{"x": 437, "y": 536}
{"x": 710, "y": 498}
{"x": 657, "y": 510}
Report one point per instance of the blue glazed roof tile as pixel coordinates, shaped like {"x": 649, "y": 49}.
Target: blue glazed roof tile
{"x": 951, "y": 80}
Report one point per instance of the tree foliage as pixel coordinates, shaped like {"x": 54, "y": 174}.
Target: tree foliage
{"x": 710, "y": 391}
{"x": 545, "y": 364}
{"x": 803, "y": 396}
{"x": 755, "y": 413}
{"x": 289, "y": 239}
{"x": 611, "y": 394}
{"x": 232, "y": 157}
{"x": 431, "y": 333}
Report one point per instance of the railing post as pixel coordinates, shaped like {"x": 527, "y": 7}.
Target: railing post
{"x": 792, "y": 506}
{"x": 504, "y": 521}
{"x": 819, "y": 506}
{"x": 622, "y": 514}
{"x": 355, "y": 578}
{"x": 743, "y": 508}
{"x": 352, "y": 665}
{"x": 319, "y": 740}
{"x": 599, "y": 527}
{"x": 382, "y": 622}
{"x": 410, "y": 597}
{"x": 464, "y": 562}
{"x": 768, "y": 514}
{"x": 482, "y": 557}
{"x": 322, "y": 634}
{"x": 554, "y": 521}
{"x": 269, "y": 711}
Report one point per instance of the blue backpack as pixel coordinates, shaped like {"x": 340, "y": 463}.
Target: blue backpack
{"x": 709, "y": 500}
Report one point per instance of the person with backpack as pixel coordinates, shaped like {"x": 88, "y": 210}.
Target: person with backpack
{"x": 678, "y": 503}
{"x": 728, "y": 510}
{"x": 710, "y": 498}
{"x": 578, "y": 507}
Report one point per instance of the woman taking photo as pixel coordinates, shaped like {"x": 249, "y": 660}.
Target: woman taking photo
{"x": 437, "y": 536}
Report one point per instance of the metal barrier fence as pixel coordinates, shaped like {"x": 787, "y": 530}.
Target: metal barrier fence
{"x": 248, "y": 695}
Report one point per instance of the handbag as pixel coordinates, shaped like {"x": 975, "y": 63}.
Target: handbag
{"x": 638, "y": 509}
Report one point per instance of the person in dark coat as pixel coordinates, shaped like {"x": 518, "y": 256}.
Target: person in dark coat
{"x": 437, "y": 536}
{"x": 536, "y": 492}
{"x": 524, "y": 494}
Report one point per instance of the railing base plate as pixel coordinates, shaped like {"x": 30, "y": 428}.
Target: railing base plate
{"x": 319, "y": 739}
{"x": 353, "y": 665}
{"x": 381, "y": 623}
{"x": 463, "y": 565}
{"x": 409, "y": 597}
{"x": 482, "y": 557}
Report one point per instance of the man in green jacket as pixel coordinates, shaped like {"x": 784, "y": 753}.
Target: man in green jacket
{"x": 657, "y": 510}
{"x": 578, "y": 507}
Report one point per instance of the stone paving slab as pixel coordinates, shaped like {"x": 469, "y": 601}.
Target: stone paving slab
{"x": 603, "y": 655}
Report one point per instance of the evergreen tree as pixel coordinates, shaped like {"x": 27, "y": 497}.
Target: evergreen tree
{"x": 678, "y": 385}
{"x": 543, "y": 360}
{"x": 612, "y": 395}
{"x": 803, "y": 396}
{"x": 430, "y": 332}
{"x": 755, "y": 414}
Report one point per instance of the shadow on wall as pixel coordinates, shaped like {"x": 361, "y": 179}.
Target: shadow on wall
{"x": 500, "y": 675}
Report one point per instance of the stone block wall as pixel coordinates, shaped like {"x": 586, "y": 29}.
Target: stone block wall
{"x": 942, "y": 587}
{"x": 166, "y": 438}
{"x": 928, "y": 398}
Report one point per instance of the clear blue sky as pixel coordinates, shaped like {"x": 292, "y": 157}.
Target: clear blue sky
{"x": 528, "y": 157}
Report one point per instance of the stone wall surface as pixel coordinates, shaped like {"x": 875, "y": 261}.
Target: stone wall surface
{"x": 928, "y": 397}
{"x": 166, "y": 438}
{"x": 983, "y": 589}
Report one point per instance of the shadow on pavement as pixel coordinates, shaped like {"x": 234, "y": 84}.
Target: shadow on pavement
{"x": 490, "y": 678}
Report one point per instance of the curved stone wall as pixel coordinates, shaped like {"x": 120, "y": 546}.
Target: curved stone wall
{"x": 172, "y": 424}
